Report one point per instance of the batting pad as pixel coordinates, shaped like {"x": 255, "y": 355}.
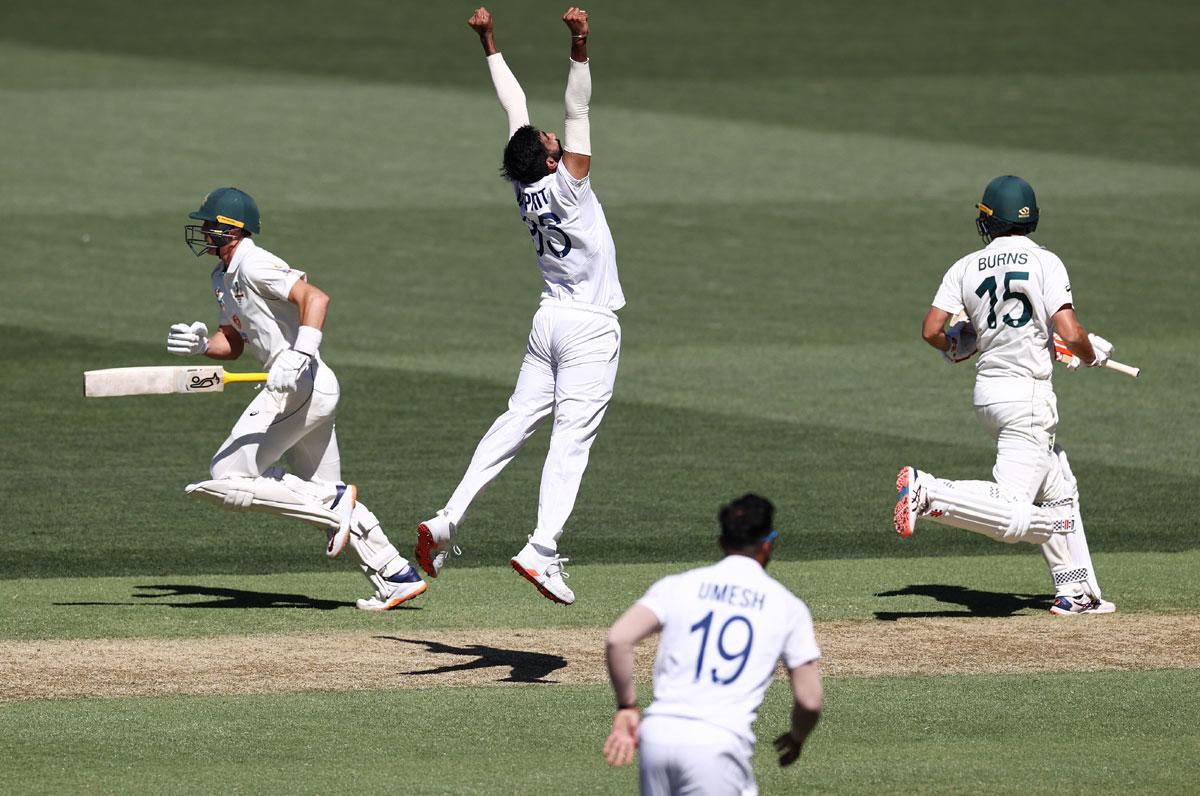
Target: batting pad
{"x": 982, "y": 507}
{"x": 264, "y": 494}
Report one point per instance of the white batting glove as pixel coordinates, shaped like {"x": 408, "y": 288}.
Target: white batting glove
{"x": 963, "y": 342}
{"x": 286, "y": 369}
{"x": 1103, "y": 349}
{"x": 187, "y": 339}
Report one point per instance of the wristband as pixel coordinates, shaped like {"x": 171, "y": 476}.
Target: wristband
{"x": 308, "y": 340}
{"x": 630, "y": 706}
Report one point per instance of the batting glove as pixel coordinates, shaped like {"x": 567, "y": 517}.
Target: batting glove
{"x": 187, "y": 339}
{"x": 1103, "y": 350}
{"x": 963, "y": 342}
{"x": 286, "y": 369}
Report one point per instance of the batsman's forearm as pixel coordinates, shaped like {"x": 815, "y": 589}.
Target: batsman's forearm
{"x": 579, "y": 49}
{"x": 620, "y": 671}
{"x": 219, "y": 347}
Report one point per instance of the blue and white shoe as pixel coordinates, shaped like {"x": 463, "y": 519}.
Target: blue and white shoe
{"x": 1072, "y": 604}
{"x": 394, "y": 590}
{"x": 343, "y": 506}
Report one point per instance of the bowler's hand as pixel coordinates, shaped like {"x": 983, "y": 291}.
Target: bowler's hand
{"x": 788, "y": 748}
{"x": 481, "y": 21}
{"x": 186, "y": 339}
{"x": 622, "y": 741}
{"x": 577, "y": 21}
{"x": 286, "y": 369}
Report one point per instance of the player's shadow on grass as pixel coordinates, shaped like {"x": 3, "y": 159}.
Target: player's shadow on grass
{"x": 225, "y": 598}
{"x": 975, "y": 602}
{"x": 524, "y": 667}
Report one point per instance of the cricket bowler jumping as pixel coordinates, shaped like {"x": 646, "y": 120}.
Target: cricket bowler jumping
{"x": 1015, "y": 295}
{"x": 571, "y": 361}
{"x": 273, "y": 310}
{"x": 723, "y": 630}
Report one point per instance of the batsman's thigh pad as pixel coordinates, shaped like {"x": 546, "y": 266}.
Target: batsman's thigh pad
{"x": 271, "y": 495}
{"x": 689, "y": 756}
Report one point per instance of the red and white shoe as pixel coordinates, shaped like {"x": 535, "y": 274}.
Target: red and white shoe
{"x": 911, "y": 500}
{"x": 343, "y": 506}
{"x": 435, "y": 543}
{"x": 546, "y": 573}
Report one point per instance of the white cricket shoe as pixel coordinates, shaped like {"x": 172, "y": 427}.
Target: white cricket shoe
{"x": 399, "y": 588}
{"x": 912, "y": 499}
{"x": 1073, "y": 604}
{"x": 435, "y": 542}
{"x": 343, "y": 506}
{"x": 544, "y": 572}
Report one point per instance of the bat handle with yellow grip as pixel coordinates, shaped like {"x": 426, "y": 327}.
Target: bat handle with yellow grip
{"x": 244, "y": 378}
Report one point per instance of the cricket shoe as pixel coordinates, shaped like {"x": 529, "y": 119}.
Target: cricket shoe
{"x": 912, "y": 499}
{"x": 435, "y": 542}
{"x": 343, "y": 506}
{"x": 544, "y": 572}
{"x": 398, "y": 588}
{"x": 1072, "y": 604}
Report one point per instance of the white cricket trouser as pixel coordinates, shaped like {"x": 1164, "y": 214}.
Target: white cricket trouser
{"x": 1031, "y": 467}
{"x": 569, "y": 369}
{"x": 297, "y": 427}
{"x": 690, "y": 756}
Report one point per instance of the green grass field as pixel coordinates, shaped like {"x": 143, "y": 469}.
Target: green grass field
{"x": 786, "y": 184}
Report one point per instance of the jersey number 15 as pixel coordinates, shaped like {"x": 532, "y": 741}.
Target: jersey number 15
{"x": 988, "y": 288}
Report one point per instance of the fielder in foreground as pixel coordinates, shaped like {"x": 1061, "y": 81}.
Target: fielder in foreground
{"x": 724, "y": 629}
{"x": 1016, "y": 294}
{"x": 571, "y": 361}
{"x": 274, "y": 310}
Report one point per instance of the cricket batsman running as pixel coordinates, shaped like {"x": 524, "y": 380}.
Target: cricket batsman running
{"x": 1015, "y": 295}
{"x": 571, "y": 361}
{"x": 273, "y": 309}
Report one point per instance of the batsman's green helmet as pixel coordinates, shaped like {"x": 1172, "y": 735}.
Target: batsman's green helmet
{"x": 1008, "y": 205}
{"x": 230, "y": 206}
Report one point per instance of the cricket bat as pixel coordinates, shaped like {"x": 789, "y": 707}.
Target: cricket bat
{"x": 1063, "y": 354}
{"x": 162, "y": 380}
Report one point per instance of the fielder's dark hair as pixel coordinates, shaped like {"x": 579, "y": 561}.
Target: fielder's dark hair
{"x": 745, "y": 521}
{"x": 525, "y": 156}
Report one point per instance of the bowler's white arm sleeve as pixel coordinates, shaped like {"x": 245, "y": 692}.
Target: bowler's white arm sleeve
{"x": 512, "y": 98}
{"x": 577, "y": 131}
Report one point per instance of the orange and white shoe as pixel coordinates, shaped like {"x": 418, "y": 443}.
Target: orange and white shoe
{"x": 343, "y": 506}
{"x": 911, "y": 500}
{"x": 435, "y": 543}
{"x": 394, "y": 590}
{"x": 546, "y": 573}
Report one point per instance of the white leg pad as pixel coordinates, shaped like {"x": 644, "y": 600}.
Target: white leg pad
{"x": 378, "y": 555}
{"x": 984, "y": 508}
{"x": 1068, "y": 556}
{"x": 271, "y": 495}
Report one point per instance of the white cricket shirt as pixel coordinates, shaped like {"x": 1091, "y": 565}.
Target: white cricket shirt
{"x": 252, "y": 294}
{"x": 1010, "y": 290}
{"x": 571, "y": 239}
{"x": 724, "y": 629}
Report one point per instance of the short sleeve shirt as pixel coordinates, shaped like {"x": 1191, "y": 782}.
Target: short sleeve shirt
{"x": 725, "y": 628}
{"x": 1010, "y": 290}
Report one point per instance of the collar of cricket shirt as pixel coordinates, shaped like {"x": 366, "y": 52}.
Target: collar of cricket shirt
{"x": 244, "y": 249}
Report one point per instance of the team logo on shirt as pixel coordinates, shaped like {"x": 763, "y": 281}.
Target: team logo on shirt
{"x": 239, "y": 295}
